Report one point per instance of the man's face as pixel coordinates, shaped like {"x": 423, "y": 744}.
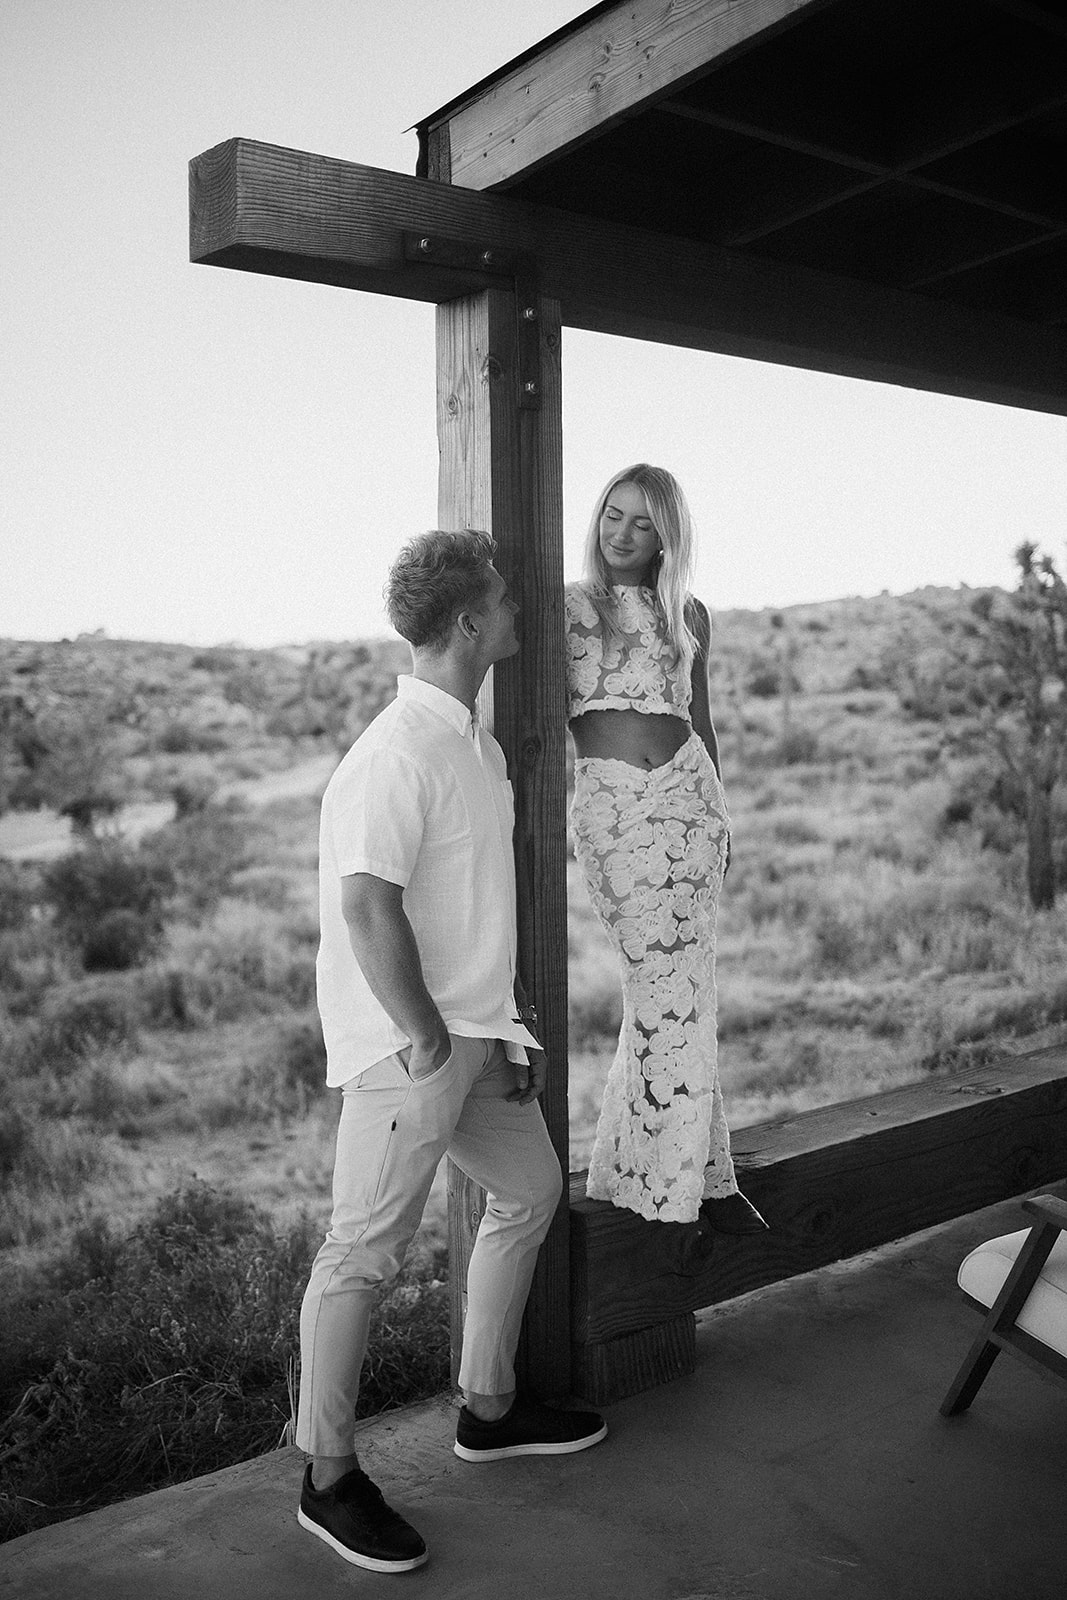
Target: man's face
{"x": 495, "y": 614}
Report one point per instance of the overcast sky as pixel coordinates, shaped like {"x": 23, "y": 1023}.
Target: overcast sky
{"x": 201, "y": 455}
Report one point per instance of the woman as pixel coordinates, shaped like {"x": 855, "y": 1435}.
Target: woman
{"x": 652, "y": 838}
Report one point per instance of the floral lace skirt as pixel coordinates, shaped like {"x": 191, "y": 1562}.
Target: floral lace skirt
{"x": 652, "y": 848}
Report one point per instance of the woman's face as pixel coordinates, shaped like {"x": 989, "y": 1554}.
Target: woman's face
{"x": 628, "y": 537}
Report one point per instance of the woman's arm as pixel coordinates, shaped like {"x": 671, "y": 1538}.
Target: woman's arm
{"x": 700, "y": 705}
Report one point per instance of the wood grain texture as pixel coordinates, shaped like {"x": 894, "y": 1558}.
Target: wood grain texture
{"x": 607, "y": 69}
{"x": 501, "y": 469}
{"x": 260, "y": 208}
{"x": 831, "y": 1182}
{"x": 617, "y": 1368}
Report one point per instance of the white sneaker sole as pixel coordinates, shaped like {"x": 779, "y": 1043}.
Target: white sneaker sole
{"x": 372, "y": 1563}
{"x": 567, "y": 1449}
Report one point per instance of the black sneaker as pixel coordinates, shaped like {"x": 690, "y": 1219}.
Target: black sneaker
{"x": 528, "y": 1429}
{"x": 352, "y": 1518}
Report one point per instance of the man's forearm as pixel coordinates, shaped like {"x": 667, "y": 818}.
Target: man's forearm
{"x": 384, "y": 945}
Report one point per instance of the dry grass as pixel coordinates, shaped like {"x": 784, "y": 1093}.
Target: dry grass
{"x": 873, "y": 929}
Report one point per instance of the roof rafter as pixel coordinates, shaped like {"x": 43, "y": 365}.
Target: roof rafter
{"x": 610, "y": 67}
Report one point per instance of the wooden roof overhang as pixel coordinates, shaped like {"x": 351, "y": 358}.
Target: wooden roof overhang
{"x": 868, "y": 187}
{"x": 874, "y": 187}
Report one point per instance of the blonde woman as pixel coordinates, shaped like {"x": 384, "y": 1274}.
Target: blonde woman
{"x": 652, "y": 836}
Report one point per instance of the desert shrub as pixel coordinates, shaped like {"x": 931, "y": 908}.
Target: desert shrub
{"x": 967, "y": 943}
{"x": 960, "y": 809}
{"x": 116, "y": 1094}
{"x": 834, "y": 940}
{"x": 959, "y": 1057}
{"x": 794, "y": 829}
{"x": 797, "y": 746}
{"x": 764, "y": 680}
{"x": 18, "y": 894}
{"x": 242, "y": 963}
{"x": 87, "y": 886}
{"x": 803, "y": 1065}
{"x": 944, "y": 918}
{"x": 77, "y": 1021}
{"x": 41, "y": 1158}
{"x": 301, "y": 1057}
{"x": 281, "y": 1079}
{"x": 217, "y": 658}
{"x": 265, "y": 887}
{"x": 176, "y": 1358}
{"x": 1015, "y": 1015}
{"x": 179, "y": 738}
{"x": 595, "y": 1017}
{"x": 202, "y": 851}
{"x": 769, "y": 896}
{"x": 165, "y": 999}
{"x": 594, "y": 991}
{"x": 193, "y": 793}
{"x": 865, "y": 676}
{"x": 15, "y": 1139}
{"x": 120, "y": 940}
{"x": 739, "y": 1019}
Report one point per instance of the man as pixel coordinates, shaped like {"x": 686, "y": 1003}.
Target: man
{"x": 416, "y": 985}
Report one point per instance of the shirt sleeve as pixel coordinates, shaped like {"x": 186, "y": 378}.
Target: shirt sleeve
{"x": 379, "y": 817}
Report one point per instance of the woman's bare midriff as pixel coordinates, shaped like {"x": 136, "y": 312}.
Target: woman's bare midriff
{"x": 636, "y": 737}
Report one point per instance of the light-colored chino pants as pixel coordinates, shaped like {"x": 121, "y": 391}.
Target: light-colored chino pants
{"x": 392, "y": 1135}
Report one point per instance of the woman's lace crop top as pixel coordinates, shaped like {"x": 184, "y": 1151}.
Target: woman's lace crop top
{"x": 638, "y": 673}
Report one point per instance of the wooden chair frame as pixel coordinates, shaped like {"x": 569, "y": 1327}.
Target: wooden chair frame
{"x": 998, "y": 1331}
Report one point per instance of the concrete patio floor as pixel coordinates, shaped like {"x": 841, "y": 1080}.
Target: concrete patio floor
{"x": 804, "y": 1460}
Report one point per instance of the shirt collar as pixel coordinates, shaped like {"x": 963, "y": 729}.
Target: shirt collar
{"x": 439, "y": 701}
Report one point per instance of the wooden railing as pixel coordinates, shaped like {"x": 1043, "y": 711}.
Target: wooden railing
{"x": 832, "y": 1182}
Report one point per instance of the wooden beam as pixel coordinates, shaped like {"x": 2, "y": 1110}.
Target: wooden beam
{"x": 1038, "y": 15}
{"x": 607, "y": 68}
{"x": 831, "y": 1182}
{"x": 260, "y": 208}
{"x": 969, "y": 260}
{"x": 989, "y": 86}
{"x": 983, "y": 177}
{"x": 501, "y": 468}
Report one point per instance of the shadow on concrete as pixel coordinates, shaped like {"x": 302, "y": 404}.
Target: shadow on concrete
{"x": 804, "y": 1460}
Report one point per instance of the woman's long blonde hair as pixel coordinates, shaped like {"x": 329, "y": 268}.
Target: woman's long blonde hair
{"x": 672, "y": 568}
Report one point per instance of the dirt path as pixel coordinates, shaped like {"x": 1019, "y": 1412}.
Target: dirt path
{"x": 43, "y": 835}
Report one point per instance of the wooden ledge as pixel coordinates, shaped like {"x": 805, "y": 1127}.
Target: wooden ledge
{"x": 831, "y": 1182}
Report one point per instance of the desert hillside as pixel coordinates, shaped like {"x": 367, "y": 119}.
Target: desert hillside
{"x": 158, "y": 820}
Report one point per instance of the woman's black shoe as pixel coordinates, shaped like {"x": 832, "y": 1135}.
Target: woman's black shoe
{"x": 732, "y": 1214}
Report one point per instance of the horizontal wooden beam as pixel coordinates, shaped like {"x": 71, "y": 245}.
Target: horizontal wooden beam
{"x": 832, "y": 1183}
{"x": 610, "y": 67}
{"x": 262, "y": 208}
{"x": 993, "y": 83}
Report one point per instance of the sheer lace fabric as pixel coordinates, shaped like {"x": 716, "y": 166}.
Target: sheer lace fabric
{"x": 637, "y": 672}
{"x": 652, "y": 848}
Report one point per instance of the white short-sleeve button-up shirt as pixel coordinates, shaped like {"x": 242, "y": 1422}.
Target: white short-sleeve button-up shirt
{"x": 422, "y": 799}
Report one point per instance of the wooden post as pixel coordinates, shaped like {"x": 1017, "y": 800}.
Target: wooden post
{"x": 502, "y": 469}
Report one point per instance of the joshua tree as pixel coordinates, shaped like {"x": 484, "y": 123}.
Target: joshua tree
{"x": 1022, "y": 683}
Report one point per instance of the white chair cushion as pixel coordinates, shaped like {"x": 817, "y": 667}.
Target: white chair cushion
{"x": 1044, "y": 1315}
